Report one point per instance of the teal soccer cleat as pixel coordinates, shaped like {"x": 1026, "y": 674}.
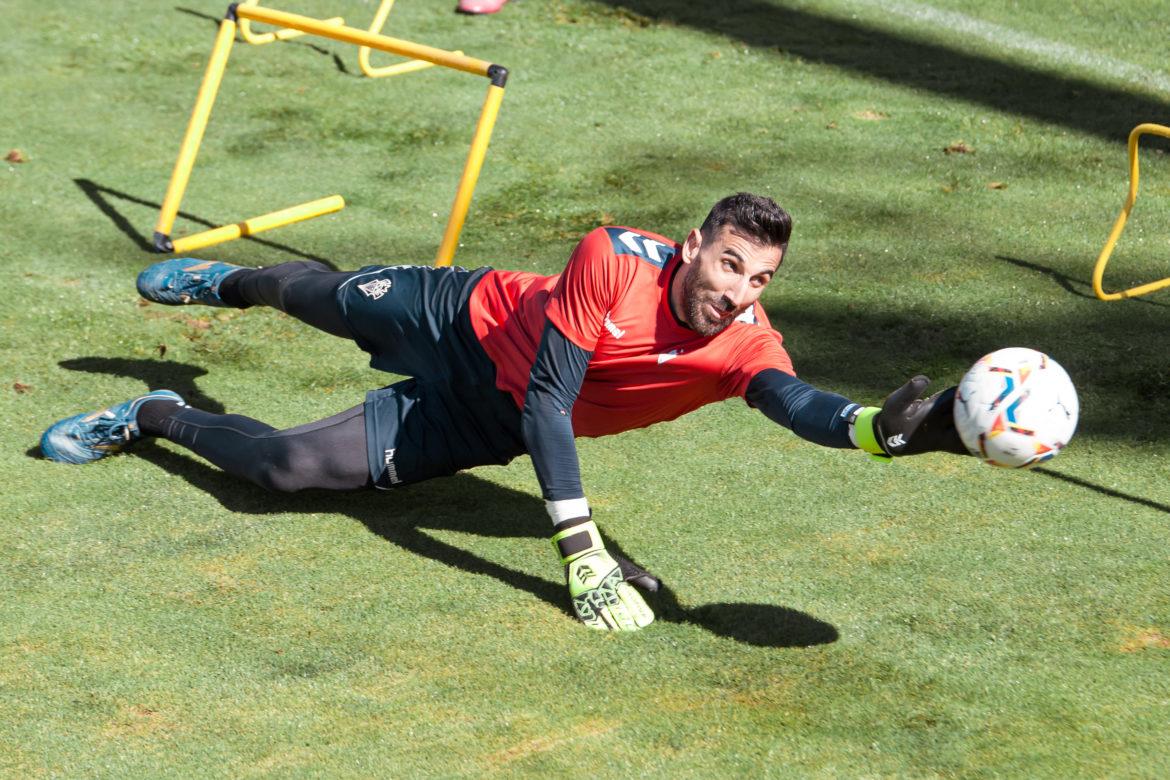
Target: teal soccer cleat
{"x": 185, "y": 280}
{"x": 87, "y": 437}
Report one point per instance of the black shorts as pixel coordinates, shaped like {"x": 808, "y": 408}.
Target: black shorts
{"x": 415, "y": 321}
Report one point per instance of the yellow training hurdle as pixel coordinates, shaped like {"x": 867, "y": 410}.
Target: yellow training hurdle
{"x": 289, "y": 26}
{"x": 1107, "y": 251}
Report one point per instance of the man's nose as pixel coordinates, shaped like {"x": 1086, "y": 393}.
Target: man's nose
{"x": 738, "y": 294}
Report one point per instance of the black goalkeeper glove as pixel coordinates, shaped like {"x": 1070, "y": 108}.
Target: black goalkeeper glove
{"x": 909, "y": 425}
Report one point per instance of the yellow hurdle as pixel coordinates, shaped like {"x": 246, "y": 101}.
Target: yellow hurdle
{"x": 1107, "y": 251}
{"x": 292, "y": 24}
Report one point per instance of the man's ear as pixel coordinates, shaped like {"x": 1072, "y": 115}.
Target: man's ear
{"x": 691, "y": 246}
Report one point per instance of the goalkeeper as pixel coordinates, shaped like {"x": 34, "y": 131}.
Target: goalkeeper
{"x": 636, "y": 330}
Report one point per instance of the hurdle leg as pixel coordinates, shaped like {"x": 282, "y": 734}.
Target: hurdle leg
{"x": 194, "y": 135}
{"x": 479, "y": 145}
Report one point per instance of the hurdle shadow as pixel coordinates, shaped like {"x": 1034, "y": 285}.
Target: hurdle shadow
{"x": 99, "y": 195}
{"x": 1081, "y": 288}
{"x": 215, "y": 20}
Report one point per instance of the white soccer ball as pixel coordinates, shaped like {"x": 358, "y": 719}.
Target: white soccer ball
{"x": 1016, "y": 408}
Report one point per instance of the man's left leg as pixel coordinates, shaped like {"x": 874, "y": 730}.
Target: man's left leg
{"x": 304, "y": 289}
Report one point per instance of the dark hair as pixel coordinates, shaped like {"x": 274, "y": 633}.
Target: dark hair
{"x": 752, "y": 216}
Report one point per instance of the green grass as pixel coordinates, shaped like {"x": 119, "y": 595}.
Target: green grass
{"x": 825, "y": 616}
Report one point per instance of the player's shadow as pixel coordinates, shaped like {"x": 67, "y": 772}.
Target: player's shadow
{"x": 100, "y": 196}
{"x": 466, "y": 504}
{"x": 911, "y": 61}
{"x": 155, "y": 374}
{"x": 215, "y": 20}
{"x": 463, "y": 503}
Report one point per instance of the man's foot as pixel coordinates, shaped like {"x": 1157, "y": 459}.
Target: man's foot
{"x": 185, "y": 280}
{"x": 87, "y": 437}
{"x": 480, "y": 6}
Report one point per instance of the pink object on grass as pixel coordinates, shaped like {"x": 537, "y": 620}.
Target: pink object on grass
{"x": 480, "y": 6}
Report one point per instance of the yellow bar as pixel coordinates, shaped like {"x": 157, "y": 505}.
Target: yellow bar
{"x": 479, "y": 145}
{"x": 195, "y": 128}
{"x": 249, "y": 227}
{"x": 1119, "y": 225}
{"x": 284, "y": 34}
{"x": 362, "y": 38}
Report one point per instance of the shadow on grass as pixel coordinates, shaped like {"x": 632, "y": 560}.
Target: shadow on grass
{"x": 1082, "y": 288}
{"x": 466, "y": 504}
{"x": 1111, "y": 493}
{"x": 100, "y": 195}
{"x": 337, "y": 61}
{"x": 155, "y": 374}
{"x": 903, "y": 60}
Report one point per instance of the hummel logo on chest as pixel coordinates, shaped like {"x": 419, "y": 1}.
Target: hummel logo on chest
{"x": 665, "y": 356}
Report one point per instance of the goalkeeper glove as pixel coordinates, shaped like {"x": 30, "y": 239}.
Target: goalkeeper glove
{"x": 909, "y": 425}
{"x": 602, "y": 599}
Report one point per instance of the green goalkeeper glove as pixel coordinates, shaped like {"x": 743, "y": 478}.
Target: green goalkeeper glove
{"x": 909, "y": 425}
{"x": 601, "y": 597}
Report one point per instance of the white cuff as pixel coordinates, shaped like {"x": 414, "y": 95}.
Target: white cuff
{"x": 567, "y": 509}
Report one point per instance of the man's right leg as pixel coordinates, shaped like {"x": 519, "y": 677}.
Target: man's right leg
{"x": 329, "y": 454}
{"x": 304, "y": 289}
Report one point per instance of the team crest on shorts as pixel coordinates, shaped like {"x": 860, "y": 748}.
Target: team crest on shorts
{"x": 375, "y": 289}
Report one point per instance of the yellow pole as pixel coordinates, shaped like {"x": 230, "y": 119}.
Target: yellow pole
{"x": 195, "y": 128}
{"x": 249, "y": 227}
{"x": 1119, "y": 225}
{"x": 258, "y": 39}
{"x": 479, "y": 145}
{"x": 362, "y": 38}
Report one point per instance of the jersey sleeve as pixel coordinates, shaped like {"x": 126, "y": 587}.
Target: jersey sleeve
{"x": 592, "y": 282}
{"x": 762, "y": 348}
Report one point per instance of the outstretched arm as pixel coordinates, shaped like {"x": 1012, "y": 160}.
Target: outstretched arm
{"x": 904, "y": 425}
{"x": 597, "y": 580}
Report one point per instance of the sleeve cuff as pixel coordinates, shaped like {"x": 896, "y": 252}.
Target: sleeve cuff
{"x": 567, "y": 509}
{"x": 863, "y": 433}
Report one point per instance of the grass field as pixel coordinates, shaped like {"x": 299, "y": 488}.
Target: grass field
{"x": 952, "y": 174}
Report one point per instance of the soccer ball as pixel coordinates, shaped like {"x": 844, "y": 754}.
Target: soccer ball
{"x": 1016, "y": 408}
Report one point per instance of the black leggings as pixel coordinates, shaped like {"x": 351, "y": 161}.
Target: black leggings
{"x": 329, "y": 453}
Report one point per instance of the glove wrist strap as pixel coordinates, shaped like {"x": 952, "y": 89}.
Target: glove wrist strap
{"x": 865, "y": 434}
{"x": 578, "y": 541}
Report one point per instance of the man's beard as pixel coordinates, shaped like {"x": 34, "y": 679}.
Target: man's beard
{"x": 695, "y": 300}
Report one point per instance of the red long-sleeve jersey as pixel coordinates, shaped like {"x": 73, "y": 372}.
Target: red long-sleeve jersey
{"x": 613, "y": 299}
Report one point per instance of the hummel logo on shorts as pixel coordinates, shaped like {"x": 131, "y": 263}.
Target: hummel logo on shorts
{"x": 375, "y": 289}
